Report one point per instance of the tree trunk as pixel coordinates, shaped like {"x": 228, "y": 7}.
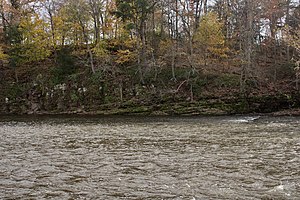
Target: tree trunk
{"x": 287, "y": 21}
{"x": 139, "y": 60}
{"x": 88, "y": 48}
{"x": 198, "y": 13}
{"x": 173, "y": 61}
{"x": 53, "y": 34}
{"x": 205, "y": 7}
{"x": 143, "y": 51}
{"x": 248, "y": 46}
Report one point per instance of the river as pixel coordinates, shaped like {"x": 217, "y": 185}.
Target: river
{"x": 234, "y": 157}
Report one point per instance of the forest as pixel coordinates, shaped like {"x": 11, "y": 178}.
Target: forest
{"x": 167, "y": 57}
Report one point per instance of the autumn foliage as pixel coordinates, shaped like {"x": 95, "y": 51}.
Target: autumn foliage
{"x": 174, "y": 47}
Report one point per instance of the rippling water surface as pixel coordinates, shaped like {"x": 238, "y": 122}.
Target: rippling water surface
{"x": 150, "y": 158}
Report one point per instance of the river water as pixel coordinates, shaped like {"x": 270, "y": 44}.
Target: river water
{"x": 236, "y": 157}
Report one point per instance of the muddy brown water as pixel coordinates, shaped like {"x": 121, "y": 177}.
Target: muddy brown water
{"x": 235, "y": 157}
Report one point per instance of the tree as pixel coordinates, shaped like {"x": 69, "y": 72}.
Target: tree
{"x": 247, "y": 41}
{"x": 95, "y": 8}
{"x": 51, "y": 9}
{"x": 292, "y": 38}
{"x": 79, "y": 15}
{"x": 11, "y": 16}
{"x": 209, "y": 38}
{"x": 35, "y": 45}
{"x": 273, "y": 11}
{"x": 136, "y": 12}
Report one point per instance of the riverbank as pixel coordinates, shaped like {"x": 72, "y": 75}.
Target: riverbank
{"x": 47, "y": 87}
{"x": 278, "y": 105}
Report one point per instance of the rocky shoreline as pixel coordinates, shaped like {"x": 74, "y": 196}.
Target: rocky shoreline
{"x": 279, "y": 105}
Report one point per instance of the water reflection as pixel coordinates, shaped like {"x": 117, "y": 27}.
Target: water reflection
{"x": 150, "y": 158}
